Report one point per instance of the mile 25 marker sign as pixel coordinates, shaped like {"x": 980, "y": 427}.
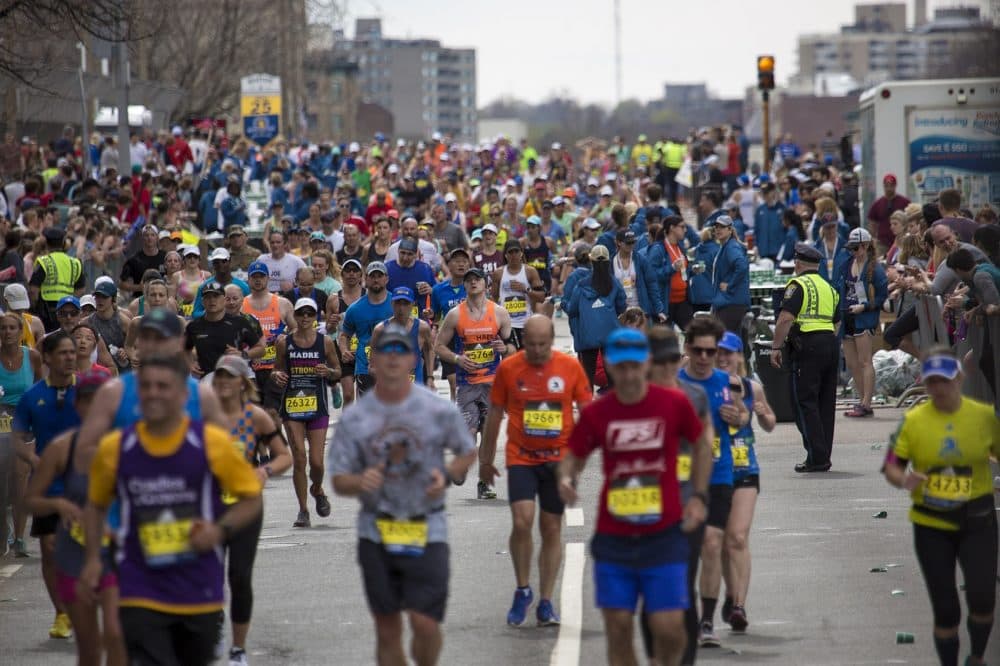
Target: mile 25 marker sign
{"x": 260, "y": 107}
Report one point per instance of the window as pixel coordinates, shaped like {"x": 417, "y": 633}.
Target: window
{"x": 336, "y": 90}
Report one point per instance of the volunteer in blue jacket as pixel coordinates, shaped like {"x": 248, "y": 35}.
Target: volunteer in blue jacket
{"x": 767, "y": 229}
{"x": 636, "y": 277}
{"x": 672, "y": 268}
{"x": 794, "y": 233}
{"x": 596, "y": 302}
{"x": 834, "y": 253}
{"x": 863, "y": 288}
{"x": 701, "y": 290}
{"x": 730, "y": 276}
{"x": 581, "y": 257}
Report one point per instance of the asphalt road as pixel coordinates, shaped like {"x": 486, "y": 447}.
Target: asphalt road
{"x": 812, "y": 600}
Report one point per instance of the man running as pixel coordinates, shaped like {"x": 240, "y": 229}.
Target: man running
{"x": 446, "y": 295}
{"x": 360, "y": 320}
{"x": 417, "y": 329}
{"x": 274, "y": 313}
{"x": 518, "y": 288}
{"x": 388, "y": 451}
{"x": 537, "y": 388}
{"x": 166, "y": 471}
{"x": 639, "y": 546}
{"x": 483, "y": 332}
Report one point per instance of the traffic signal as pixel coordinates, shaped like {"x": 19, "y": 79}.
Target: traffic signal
{"x": 765, "y": 72}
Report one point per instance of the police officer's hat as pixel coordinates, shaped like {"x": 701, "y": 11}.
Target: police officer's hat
{"x": 54, "y": 235}
{"x": 806, "y": 253}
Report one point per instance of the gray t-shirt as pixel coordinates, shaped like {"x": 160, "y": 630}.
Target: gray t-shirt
{"x": 281, "y": 270}
{"x": 699, "y": 400}
{"x": 945, "y": 279}
{"x": 410, "y": 438}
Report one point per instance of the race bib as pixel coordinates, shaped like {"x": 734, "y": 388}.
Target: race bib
{"x": 948, "y": 489}
{"x": 414, "y": 312}
{"x": 76, "y": 534}
{"x": 480, "y": 355}
{"x": 368, "y": 352}
{"x": 636, "y": 499}
{"x": 515, "y": 305}
{"x": 683, "y": 467}
{"x": 403, "y": 537}
{"x": 716, "y": 448}
{"x": 741, "y": 454}
{"x": 270, "y": 354}
{"x": 538, "y": 264}
{"x": 542, "y": 420}
{"x": 167, "y": 541}
{"x": 353, "y": 346}
{"x": 186, "y": 309}
{"x": 6, "y": 423}
{"x": 301, "y": 404}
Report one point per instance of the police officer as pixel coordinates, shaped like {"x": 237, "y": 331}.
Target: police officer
{"x": 807, "y": 324}
{"x": 56, "y": 276}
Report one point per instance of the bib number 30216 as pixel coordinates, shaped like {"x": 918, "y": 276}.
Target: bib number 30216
{"x": 636, "y": 499}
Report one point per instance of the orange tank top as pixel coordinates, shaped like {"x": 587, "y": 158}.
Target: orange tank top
{"x": 475, "y": 342}
{"x": 271, "y": 324}
{"x": 678, "y": 285}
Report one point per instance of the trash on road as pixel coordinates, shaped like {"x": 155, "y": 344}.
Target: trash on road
{"x": 502, "y": 552}
{"x": 878, "y": 570}
{"x": 881, "y": 514}
{"x": 904, "y": 638}
{"x": 898, "y": 593}
{"x": 876, "y": 447}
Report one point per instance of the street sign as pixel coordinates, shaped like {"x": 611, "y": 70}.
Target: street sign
{"x": 260, "y": 107}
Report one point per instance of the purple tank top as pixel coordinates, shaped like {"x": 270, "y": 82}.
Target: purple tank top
{"x": 160, "y": 497}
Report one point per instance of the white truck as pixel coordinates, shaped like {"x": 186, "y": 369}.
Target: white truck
{"x": 932, "y": 135}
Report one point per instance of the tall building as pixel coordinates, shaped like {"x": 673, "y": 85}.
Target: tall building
{"x": 427, "y": 87}
{"x": 878, "y": 47}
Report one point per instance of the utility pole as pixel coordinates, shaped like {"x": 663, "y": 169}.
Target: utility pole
{"x": 766, "y": 109}
{"x": 124, "y": 83}
{"x": 618, "y": 54}
{"x": 84, "y": 120}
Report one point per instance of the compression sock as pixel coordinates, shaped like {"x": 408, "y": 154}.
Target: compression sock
{"x": 708, "y": 609}
{"x": 947, "y": 649}
{"x": 979, "y": 635}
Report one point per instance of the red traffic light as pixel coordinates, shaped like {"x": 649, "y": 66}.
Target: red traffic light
{"x": 765, "y": 72}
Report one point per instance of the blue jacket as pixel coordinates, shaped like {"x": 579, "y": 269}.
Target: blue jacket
{"x": 731, "y": 267}
{"x": 596, "y": 315}
{"x": 700, "y": 288}
{"x": 768, "y": 230}
{"x": 840, "y": 257}
{"x": 207, "y": 211}
{"x": 788, "y": 247}
{"x": 870, "y": 317}
{"x": 234, "y": 211}
{"x": 843, "y": 229}
{"x": 662, "y": 268}
{"x": 646, "y": 286}
{"x": 579, "y": 273}
{"x": 607, "y": 239}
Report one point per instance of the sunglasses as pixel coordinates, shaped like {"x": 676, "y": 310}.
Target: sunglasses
{"x": 305, "y": 313}
{"x": 394, "y": 348}
{"x": 703, "y": 351}
{"x": 67, "y": 314}
{"x": 670, "y": 358}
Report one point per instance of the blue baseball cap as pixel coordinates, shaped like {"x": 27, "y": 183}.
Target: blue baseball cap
{"x": 68, "y": 300}
{"x": 258, "y": 268}
{"x": 731, "y": 342}
{"x": 402, "y": 294}
{"x": 624, "y": 345}
{"x": 940, "y": 365}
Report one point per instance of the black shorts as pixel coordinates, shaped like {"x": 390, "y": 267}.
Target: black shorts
{"x": 346, "y": 369}
{"x": 363, "y": 383}
{"x": 720, "y": 502}
{"x": 851, "y": 330}
{"x": 525, "y": 482}
{"x": 748, "y": 481}
{"x": 447, "y": 369}
{"x": 44, "y": 525}
{"x": 152, "y": 637}
{"x": 394, "y": 583}
{"x": 517, "y": 336}
{"x": 270, "y": 393}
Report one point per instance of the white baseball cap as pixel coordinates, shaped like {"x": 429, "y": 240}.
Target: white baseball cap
{"x": 606, "y": 191}
{"x": 393, "y": 168}
{"x": 354, "y": 147}
{"x": 219, "y": 254}
{"x": 490, "y": 227}
{"x": 436, "y": 136}
{"x": 593, "y": 181}
{"x": 305, "y": 302}
{"x": 450, "y": 197}
{"x": 88, "y": 300}
{"x": 17, "y": 297}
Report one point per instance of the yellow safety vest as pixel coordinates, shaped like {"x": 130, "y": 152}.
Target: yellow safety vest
{"x": 61, "y": 273}
{"x": 673, "y": 155}
{"x": 819, "y": 304}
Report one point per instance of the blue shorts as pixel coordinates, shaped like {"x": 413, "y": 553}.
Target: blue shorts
{"x": 663, "y": 587}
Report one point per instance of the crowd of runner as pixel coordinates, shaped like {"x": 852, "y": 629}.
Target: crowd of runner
{"x": 173, "y": 337}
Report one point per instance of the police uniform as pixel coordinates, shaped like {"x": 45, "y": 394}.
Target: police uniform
{"x": 56, "y": 275}
{"x": 814, "y": 352}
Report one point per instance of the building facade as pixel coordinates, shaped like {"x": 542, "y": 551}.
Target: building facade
{"x": 427, "y": 87}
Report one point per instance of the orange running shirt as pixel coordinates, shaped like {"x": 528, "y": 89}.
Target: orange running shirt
{"x": 539, "y": 403}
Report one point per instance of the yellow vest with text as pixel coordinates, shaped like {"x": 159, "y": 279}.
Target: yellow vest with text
{"x": 61, "y": 273}
{"x": 819, "y": 304}
{"x": 673, "y": 155}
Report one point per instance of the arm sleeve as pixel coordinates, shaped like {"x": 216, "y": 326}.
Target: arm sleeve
{"x": 234, "y": 473}
{"x": 986, "y": 289}
{"x": 104, "y": 470}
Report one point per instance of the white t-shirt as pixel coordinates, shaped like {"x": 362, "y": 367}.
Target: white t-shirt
{"x": 427, "y": 253}
{"x": 281, "y": 270}
{"x": 626, "y": 276}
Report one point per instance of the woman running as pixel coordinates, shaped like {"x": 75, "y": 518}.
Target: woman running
{"x": 305, "y": 362}
{"x": 746, "y": 479}
{"x": 941, "y": 455}
{"x": 252, "y": 430}
{"x": 57, "y": 463}
{"x": 186, "y": 281}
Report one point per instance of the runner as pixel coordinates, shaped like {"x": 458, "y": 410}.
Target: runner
{"x": 217, "y": 333}
{"x": 419, "y": 330}
{"x": 941, "y": 455}
{"x": 394, "y": 463}
{"x": 360, "y": 319}
{"x": 167, "y": 471}
{"x": 538, "y": 254}
{"x": 701, "y": 340}
{"x": 537, "y": 388}
{"x": 746, "y": 480}
{"x": 639, "y": 546}
{"x": 43, "y": 412}
{"x": 305, "y": 362}
{"x": 482, "y": 332}
{"x": 275, "y": 316}
{"x": 254, "y": 431}
{"x": 518, "y": 288}
{"x": 57, "y": 463}
{"x": 352, "y": 289}
{"x": 186, "y": 281}
{"x": 446, "y": 295}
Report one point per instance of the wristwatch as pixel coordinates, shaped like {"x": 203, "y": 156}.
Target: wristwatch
{"x": 700, "y": 494}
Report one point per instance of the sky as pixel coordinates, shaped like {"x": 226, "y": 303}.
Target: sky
{"x": 535, "y": 49}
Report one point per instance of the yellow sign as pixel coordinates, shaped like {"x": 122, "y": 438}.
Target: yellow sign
{"x": 260, "y": 105}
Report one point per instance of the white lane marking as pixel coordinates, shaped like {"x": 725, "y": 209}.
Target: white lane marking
{"x": 567, "y": 650}
{"x": 9, "y": 570}
{"x": 574, "y": 517}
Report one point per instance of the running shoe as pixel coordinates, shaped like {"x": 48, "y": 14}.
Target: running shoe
{"x": 859, "y": 411}
{"x": 519, "y": 609}
{"x": 61, "y": 627}
{"x": 238, "y": 657}
{"x": 338, "y": 402}
{"x": 707, "y": 637}
{"x": 322, "y": 505}
{"x": 546, "y": 614}
{"x": 302, "y": 520}
{"x": 484, "y": 492}
{"x": 738, "y": 619}
{"x": 20, "y": 548}
{"x": 727, "y": 609}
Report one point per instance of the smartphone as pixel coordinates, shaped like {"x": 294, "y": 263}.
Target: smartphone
{"x": 736, "y": 387}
